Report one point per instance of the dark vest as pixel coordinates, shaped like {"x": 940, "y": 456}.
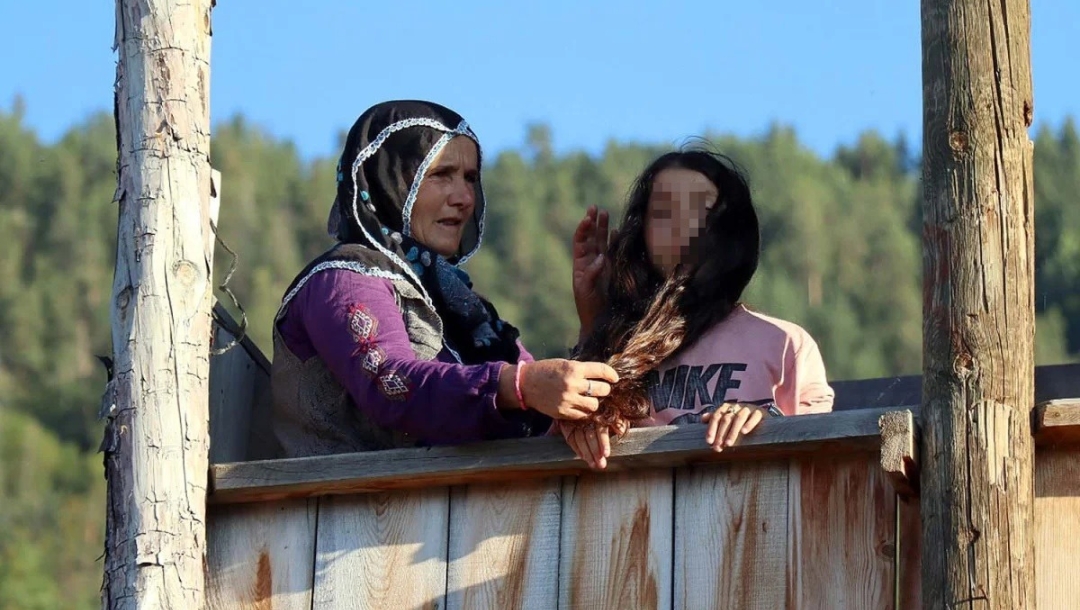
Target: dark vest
{"x": 313, "y": 414}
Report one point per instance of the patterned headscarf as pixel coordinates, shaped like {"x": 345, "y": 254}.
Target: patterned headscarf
{"x": 385, "y": 157}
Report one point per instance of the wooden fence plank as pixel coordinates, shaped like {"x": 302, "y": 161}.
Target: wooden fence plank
{"x": 1051, "y": 383}
{"x": 504, "y": 546}
{"x": 382, "y": 551}
{"x": 259, "y": 556}
{"x": 1057, "y": 422}
{"x": 841, "y": 534}
{"x": 510, "y": 460}
{"x": 900, "y": 451}
{"x": 233, "y": 383}
{"x": 1057, "y": 525}
{"x": 731, "y": 545}
{"x": 239, "y": 397}
{"x": 910, "y": 579}
{"x": 617, "y": 541}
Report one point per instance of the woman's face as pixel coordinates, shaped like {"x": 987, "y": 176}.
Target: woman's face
{"x": 446, "y": 197}
{"x": 678, "y": 205}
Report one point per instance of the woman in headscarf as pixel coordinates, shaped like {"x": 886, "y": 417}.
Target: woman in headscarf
{"x": 381, "y": 342}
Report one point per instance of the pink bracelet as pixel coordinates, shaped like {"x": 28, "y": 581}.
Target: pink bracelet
{"x": 517, "y": 385}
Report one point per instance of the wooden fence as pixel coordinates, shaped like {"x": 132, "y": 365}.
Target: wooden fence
{"x": 804, "y": 513}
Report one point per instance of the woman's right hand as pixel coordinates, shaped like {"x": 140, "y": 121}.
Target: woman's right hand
{"x": 565, "y": 389}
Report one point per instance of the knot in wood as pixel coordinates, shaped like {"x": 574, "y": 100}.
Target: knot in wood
{"x": 958, "y": 142}
{"x": 123, "y": 299}
{"x": 186, "y": 272}
{"x": 963, "y": 363}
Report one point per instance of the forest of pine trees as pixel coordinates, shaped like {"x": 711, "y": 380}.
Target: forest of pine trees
{"x": 841, "y": 256}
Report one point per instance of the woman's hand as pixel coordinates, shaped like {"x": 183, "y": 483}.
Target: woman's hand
{"x": 591, "y": 443}
{"x": 558, "y": 388}
{"x": 730, "y": 420}
{"x": 590, "y": 245}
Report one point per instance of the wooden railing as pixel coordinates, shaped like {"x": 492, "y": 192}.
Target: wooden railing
{"x": 806, "y": 512}
{"x": 801, "y": 512}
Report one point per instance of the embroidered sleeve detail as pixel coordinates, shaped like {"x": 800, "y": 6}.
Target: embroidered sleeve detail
{"x": 362, "y": 325}
{"x": 394, "y": 385}
{"x": 373, "y": 359}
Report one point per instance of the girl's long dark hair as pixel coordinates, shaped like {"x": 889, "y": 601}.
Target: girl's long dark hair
{"x": 648, "y": 318}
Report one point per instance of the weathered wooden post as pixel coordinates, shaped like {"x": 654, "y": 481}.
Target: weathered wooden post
{"x": 978, "y": 307}
{"x": 156, "y": 439}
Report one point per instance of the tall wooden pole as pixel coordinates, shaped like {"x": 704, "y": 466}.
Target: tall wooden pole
{"x": 156, "y": 439}
{"x": 978, "y": 306}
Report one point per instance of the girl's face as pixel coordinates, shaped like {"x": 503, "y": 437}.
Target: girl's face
{"x": 678, "y": 205}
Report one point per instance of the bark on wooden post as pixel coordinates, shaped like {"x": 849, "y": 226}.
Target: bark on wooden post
{"x": 978, "y": 308}
{"x": 156, "y": 439}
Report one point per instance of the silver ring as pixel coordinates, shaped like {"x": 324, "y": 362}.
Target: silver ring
{"x": 588, "y": 389}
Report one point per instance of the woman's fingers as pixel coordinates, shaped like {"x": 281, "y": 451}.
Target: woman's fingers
{"x": 594, "y": 388}
{"x": 586, "y": 405}
{"x": 573, "y": 414}
{"x": 573, "y": 438}
{"x": 578, "y": 438}
{"x": 581, "y": 448}
{"x": 597, "y": 370}
{"x": 604, "y": 434}
{"x": 592, "y": 441}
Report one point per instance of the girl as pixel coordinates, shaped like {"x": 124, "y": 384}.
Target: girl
{"x": 670, "y": 321}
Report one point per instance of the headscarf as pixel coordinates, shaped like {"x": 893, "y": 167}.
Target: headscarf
{"x": 386, "y": 154}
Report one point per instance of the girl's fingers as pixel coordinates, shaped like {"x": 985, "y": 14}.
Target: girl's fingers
{"x": 595, "y": 267}
{"x": 714, "y": 424}
{"x": 752, "y": 423}
{"x": 737, "y": 423}
{"x": 724, "y": 427}
{"x": 585, "y": 235}
{"x": 724, "y": 417}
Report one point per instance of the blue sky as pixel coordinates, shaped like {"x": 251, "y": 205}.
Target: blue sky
{"x": 633, "y": 71}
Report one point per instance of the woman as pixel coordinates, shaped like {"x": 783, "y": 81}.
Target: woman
{"x": 670, "y": 320}
{"x": 381, "y": 342}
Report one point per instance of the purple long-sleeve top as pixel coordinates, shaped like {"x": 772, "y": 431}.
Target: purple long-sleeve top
{"x": 346, "y": 318}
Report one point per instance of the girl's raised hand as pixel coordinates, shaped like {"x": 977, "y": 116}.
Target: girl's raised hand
{"x": 590, "y": 245}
